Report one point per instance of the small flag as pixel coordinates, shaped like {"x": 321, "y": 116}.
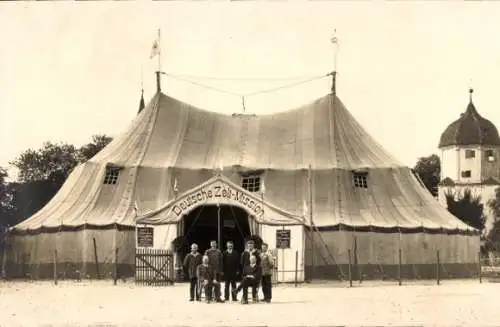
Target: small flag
{"x": 334, "y": 37}
{"x": 136, "y": 207}
{"x": 155, "y": 50}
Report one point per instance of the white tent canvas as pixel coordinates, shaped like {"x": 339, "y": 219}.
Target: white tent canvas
{"x": 321, "y": 171}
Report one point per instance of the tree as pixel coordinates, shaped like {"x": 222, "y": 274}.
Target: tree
{"x": 89, "y": 150}
{"x": 429, "y": 170}
{"x": 493, "y": 238}
{"x": 42, "y": 172}
{"x": 53, "y": 161}
{"x": 466, "y": 207}
{"x": 5, "y": 199}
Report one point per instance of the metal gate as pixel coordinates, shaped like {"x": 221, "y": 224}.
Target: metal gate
{"x": 154, "y": 267}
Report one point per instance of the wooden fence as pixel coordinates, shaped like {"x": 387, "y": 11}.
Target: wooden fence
{"x": 154, "y": 267}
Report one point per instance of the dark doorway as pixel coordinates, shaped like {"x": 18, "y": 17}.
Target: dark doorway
{"x": 201, "y": 224}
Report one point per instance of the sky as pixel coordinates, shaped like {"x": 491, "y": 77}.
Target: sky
{"x": 69, "y": 70}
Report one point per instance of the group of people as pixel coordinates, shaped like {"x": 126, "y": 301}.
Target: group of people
{"x": 253, "y": 268}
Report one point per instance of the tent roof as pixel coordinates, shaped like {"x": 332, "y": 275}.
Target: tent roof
{"x": 171, "y": 133}
{"x": 173, "y": 141}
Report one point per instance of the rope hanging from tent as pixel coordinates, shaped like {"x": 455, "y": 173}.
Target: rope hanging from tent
{"x": 238, "y": 227}
{"x": 189, "y": 229}
{"x": 338, "y": 164}
{"x": 245, "y": 95}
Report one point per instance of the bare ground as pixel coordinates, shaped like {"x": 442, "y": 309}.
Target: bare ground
{"x": 453, "y": 303}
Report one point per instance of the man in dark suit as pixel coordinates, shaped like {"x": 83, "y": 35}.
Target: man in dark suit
{"x": 251, "y": 276}
{"x": 230, "y": 269}
{"x": 249, "y": 251}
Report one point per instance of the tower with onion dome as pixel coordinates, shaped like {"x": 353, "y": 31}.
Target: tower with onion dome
{"x": 470, "y": 157}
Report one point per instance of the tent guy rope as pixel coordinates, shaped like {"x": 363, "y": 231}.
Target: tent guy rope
{"x": 245, "y": 95}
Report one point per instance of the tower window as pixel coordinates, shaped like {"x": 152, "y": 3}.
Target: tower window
{"x": 490, "y": 155}
{"x": 251, "y": 183}
{"x": 466, "y": 173}
{"x": 470, "y": 154}
{"x": 111, "y": 176}
{"x": 360, "y": 179}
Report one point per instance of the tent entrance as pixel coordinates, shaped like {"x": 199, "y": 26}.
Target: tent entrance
{"x": 220, "y": 223}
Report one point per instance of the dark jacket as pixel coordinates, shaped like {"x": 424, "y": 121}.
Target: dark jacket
{"x": 214, "y": 259}
{"x": 256, "y": 271}
{"x": 231, "y": 263}
{"x": 192, "y": 261}
{"x": 205, "y": 272}
{"x": 245, "y": 257}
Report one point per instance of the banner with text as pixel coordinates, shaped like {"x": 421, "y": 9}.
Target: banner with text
{"x": 217, "y": 193}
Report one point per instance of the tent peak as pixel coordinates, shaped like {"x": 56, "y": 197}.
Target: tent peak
{"x": 142, "y": 105}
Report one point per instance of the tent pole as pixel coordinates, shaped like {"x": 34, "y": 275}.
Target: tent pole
{"x": 96, "y": 260}
{"x": 309, "y": 182}
{"x": 218, "y": 225}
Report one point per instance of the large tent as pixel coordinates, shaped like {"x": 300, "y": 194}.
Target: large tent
{"x": 321, "y": 169}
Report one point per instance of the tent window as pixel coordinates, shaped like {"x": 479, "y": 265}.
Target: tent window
{"x": 111, "y": 176}
{"x": 251, "y": 183}
{"x": 466, "y": 174}
{"x": 360, "y": 180}
{"x": 470, "y": 154}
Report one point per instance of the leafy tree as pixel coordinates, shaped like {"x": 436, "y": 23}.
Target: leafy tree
{"x": 493, "y": 239}
{"x": 429, "y": 170}
{"x": 3, "y": 186}
{"x": 5, "y": 198}
{"x": 51, "y": 162}
{"x": 466, "y": 207}
{"x": 42, "y": 172}
{"x": 89, "y": 150}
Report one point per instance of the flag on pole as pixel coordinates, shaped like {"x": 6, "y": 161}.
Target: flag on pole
{"x": 155, "y": 50}
{"x": 334, "y": 37}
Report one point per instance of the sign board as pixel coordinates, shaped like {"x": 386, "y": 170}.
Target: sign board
{"x": 145, "y": 237}
{"x": 218, "y": 192}
{"x": 283, "y": 238}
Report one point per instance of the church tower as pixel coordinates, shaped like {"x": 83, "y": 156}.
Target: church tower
{"x": 470, "y": 157}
